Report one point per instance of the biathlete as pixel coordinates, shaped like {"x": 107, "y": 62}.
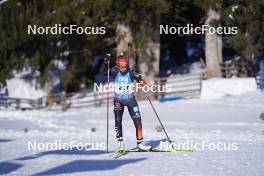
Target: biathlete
{"x": 124, "y": 95}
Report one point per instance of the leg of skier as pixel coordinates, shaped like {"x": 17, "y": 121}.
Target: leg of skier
{"x": 118, "y": 111}
{"x": 136, "y": 117}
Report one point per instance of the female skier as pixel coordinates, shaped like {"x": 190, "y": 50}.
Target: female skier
{"x": 124, "y": 95}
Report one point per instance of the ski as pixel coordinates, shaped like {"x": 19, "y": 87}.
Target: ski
{"x": 157, "y": 150}
{"x": 120, "y": 153}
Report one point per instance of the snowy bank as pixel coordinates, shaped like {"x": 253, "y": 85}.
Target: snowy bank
{"x": 19, "y": 88}
{"x": 220, "y": 87}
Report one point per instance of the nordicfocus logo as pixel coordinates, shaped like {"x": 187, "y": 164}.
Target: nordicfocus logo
{"x": 133, "y": 87}
{"x": 59, "y": 145}
{"x": 199, "y": 146}
{"x": 58, "y": 29}
{"x": 190, "y": 29}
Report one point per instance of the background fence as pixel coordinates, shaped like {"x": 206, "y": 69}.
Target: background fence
{"x": 181, "y": 86}
{"x": 232, "y": 68}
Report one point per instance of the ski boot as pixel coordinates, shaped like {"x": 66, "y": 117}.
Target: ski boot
{"x": 121, "y": 146}
{"x": 142, "y": 146}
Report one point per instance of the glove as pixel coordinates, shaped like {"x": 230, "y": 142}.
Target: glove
{"x": 107, "y": 58}
{"x": 143, "y": 83}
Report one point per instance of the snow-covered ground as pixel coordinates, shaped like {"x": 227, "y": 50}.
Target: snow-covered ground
{"x": 220, "y": 87}
{"x": 229, "y": 120}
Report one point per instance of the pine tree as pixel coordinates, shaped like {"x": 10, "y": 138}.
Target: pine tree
{"x": 248, "y": 17}
{"x": 213, "y": 42}
{"x": 17, "y": 48}
{"x": 138, "y": 22}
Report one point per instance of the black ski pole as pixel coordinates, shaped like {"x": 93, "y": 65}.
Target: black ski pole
{"x": 107, "y": 114}
{"x": 129, "y": 46}
{"x": 158, "y": 118}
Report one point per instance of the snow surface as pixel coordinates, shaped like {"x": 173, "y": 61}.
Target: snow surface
{"x": 220, "y": 87}
{"x": 24, "y": 84}
{"x": 232, "y": 119}
{"x": 20, "y": 88}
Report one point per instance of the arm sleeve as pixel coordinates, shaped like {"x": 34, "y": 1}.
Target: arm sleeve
{"x": 113, "y": 70}
{"x": 136, "y": 76}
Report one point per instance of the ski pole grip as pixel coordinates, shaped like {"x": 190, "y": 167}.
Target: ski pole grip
{"x": 107, "y": 58}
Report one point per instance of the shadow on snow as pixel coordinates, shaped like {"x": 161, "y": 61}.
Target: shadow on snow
{"x": 78, "y": 165}
{"x": 74, "y": 151}
{"x": 155, "y": 143}
{"x": 7, "y": 167}
{"x": 5, "y": 140}
{"x": 88, "y": 165}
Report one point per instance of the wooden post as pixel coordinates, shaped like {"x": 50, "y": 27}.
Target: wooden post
{"x": 17, "y": 104}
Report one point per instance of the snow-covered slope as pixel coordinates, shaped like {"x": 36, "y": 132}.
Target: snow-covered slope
{"x": 228, "y": 120}
{"x": 220, "y": 87}
{"x": 19, "y": 88}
